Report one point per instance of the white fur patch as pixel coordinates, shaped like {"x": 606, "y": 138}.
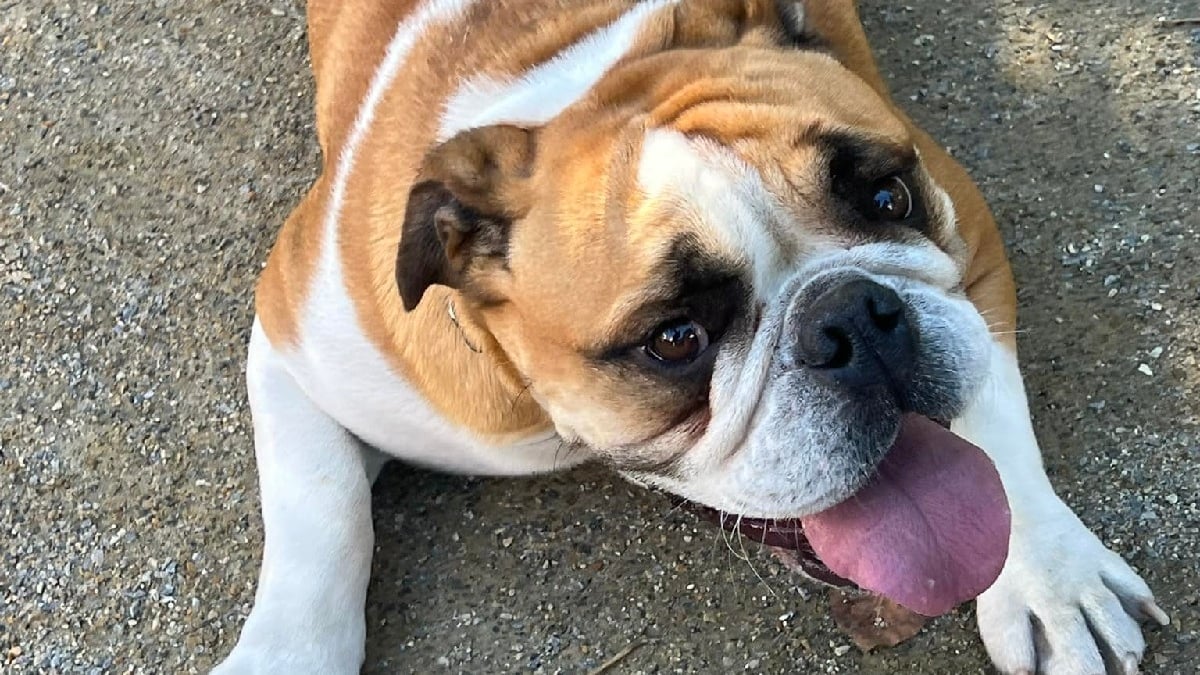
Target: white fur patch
{"x": 723, "y": 194}
{"x": 998, "y": 422}
{"x": 545, "y": 91}
{"x": 316, "y": 508}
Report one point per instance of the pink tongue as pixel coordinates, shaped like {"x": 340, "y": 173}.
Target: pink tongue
{"x": 929, "y": 531}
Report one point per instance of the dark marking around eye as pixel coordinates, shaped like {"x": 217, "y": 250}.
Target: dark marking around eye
{"x": 695, "y": 286}
{"x": 876, "y": 183}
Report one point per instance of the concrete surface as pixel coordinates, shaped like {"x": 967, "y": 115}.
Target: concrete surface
{"x": 150, "y": 149}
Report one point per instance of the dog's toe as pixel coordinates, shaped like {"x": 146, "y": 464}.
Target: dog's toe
{"x": 1007, "y": 632}
{"x": 1065, "y": 604}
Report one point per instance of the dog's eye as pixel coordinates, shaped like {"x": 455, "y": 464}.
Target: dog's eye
{"x": 876, "y": 200}
{"x": 890, "y": 199}
{"x": 677, "y": 342}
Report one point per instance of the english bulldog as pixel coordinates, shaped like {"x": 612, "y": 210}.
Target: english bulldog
{"x": 694, "y": 240}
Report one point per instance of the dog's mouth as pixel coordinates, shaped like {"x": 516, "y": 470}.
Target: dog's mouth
{"x": 929, "y": 530}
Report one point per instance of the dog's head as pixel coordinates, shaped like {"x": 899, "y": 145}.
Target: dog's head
{"x": 731, "y": 287}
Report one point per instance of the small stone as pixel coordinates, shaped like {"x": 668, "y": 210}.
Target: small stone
{"x": 1156, "y": 352}
{"x": 1145, "y": 370}
{"x": 1172, "y": 498}
{"x": 841, "y": 650}
{"x": 1098, "y": 188}
{"x": 1156, "y": 306}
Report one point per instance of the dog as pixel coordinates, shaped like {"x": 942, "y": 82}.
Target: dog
{"x": 694, "y": 240}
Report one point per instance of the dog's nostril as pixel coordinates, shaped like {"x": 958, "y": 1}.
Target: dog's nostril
{"x": 842, "y": 351}
{"x": 884, "y": 314}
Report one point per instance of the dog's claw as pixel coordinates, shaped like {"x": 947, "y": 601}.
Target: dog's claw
{"x": 1152, "y": 610}
{"x": 1130, "y": 664}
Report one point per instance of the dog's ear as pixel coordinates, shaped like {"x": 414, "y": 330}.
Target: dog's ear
{"x": 460, "y": 212}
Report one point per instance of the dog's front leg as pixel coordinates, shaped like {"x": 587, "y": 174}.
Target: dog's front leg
{"x": 1064, "y": 604}
{"x": 308, "y": 614}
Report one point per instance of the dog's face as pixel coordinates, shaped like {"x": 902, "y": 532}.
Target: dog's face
{"x": 729, "y": 286}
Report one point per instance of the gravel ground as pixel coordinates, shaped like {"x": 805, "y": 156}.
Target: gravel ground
{"x": 150, "y": 149}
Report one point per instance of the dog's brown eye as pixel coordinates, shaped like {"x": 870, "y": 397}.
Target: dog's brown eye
{"x": 678, "y": 341}
{"x": 890, "y": 199}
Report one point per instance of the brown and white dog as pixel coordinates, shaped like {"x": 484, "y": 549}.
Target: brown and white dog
{"x": 693, "y": 239}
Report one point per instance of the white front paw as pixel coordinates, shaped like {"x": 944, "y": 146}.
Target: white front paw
{"x": 246, "y": 660}
{"x": 1064, "y": 604}
{"x": 272, "y": 642}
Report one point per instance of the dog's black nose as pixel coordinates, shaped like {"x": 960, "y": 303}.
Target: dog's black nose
{"x": 858, "y": 335}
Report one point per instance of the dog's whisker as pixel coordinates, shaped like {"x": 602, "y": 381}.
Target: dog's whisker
{"x": 754, "y": 569}
{"x": 727, "y": 535}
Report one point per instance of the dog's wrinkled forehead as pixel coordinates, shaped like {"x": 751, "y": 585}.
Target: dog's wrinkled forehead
{"x": 776, "y": 179}
{"x": 764, "y": 221}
